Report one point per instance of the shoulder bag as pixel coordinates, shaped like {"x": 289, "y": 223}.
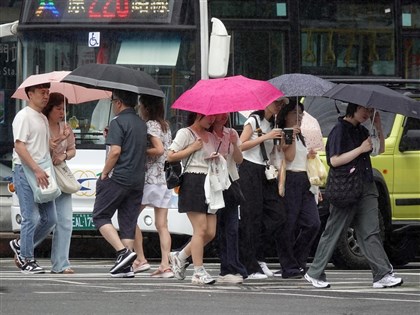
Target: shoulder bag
{"x": 65, "y": 179}
{"x": 174, "y": 172}
{"x": 43, "y": 195}
{"x": 344, "y": 186}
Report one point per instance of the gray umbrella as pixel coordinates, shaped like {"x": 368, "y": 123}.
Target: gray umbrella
{"x": 375, "y": 96}
{"x": 299, "y": 84}
{"x": 109, "y": 77}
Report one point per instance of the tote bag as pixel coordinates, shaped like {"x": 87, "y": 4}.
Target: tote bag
{"x": 65, "y": 179}
{"x": 43, "y": 195}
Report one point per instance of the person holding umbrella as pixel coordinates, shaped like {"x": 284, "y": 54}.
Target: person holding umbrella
{"x": 31, "y": 137}
{"x": 197, "y": 145}
{"x": 62, "y": 145}
{"x": 263, "y": 212}
{"x": 117, "y": 188}
{"x": 349, "y": 142}
{"x": 294, "y": 241}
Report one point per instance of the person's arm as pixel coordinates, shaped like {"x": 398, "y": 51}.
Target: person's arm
{"x": 113, "y": 156}
{"x": 40, "y": 175}
{"x": 247, "y": 143}
{"x": 237, "y": 153}
{"x": 182, "y": 154}
{"x": 347, "y": 157}
{"x": 157, "y": 148}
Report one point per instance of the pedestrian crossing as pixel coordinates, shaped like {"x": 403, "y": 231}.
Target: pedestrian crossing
{"x": 93, "y": 275}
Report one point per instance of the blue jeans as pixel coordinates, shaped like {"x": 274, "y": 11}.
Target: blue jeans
{"x": 38, "y": 219}
{"x": 62, "y": 234}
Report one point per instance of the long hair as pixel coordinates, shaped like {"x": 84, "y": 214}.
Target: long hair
{"x": 155, "y": 110}
{"x": 191, "y": 118}
{"x": 261, "y": 113}
{"x": 55, "y": 99}
{"x": 287, "y": 108}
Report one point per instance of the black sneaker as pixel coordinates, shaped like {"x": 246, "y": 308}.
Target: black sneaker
{"x": 123, "y": 260}
{"x": 126, "y": 272}
{"x": 19, "y": 261}
{"x": 31, "y": 267}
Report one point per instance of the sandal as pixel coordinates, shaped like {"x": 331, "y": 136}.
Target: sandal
{"x": 140, "y": 267}
{"x": 163, "y": 273}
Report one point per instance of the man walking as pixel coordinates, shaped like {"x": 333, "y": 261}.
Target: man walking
{"x": 120, "y": 185}
{"x": 31, "y": 134}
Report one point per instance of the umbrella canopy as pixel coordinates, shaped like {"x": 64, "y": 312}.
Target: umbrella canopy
{"x": 74, "y": 93}
{"x": 311, "y": 130}
{"x": 299, "y": 84}
{"x": 109, "y": 77}
{"x": 230, "y": 94}
{"x": 375, "y": 96}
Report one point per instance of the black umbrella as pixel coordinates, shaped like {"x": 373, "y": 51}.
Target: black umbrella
{"x": 300, "y": 84}
{"x": 375, "y": 96}
{"x": 109, "y": 77}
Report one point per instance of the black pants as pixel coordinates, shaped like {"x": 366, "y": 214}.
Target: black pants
{"x": 294, "y": 242}
{"x": 227, "y": 236}
{"x": 261, "y": 214}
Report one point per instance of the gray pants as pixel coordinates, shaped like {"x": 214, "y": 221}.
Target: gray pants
{"x": 364, "y": 215}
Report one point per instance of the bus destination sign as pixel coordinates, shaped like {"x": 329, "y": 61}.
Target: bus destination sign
{"x": 97, "y": 11}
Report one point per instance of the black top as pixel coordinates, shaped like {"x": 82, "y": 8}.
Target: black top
{"x": 345, "y": 137}
{"x": 129, "y": 131}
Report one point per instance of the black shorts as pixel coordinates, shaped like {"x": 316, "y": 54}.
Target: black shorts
{"x": 111, "y": 196}
{"x": 191, "y": 194}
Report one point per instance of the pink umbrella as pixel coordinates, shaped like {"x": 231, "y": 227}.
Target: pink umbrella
{"x": 76, "y": 94}
{"x": 230, "y": 94}
{"x": 312, "y": 132}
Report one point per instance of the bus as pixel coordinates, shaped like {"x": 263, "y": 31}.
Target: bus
{"x": 169, "y": 39}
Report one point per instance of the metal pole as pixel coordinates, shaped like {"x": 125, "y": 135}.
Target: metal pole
{"x": 204, "y": 39}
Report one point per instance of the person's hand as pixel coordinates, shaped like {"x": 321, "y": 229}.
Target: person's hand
{"x": 54, "y": 142}
{"x": 66, "y": 131}
{"x": 366, "y": 145}
{"x": 41, "y": 178}
{"x": 276, "y": 133}
{"x": 197, "y": 144}
{"x": 311, "y": 154}
{"x": 233, "y": 137}
{"x": 296, "y": 131}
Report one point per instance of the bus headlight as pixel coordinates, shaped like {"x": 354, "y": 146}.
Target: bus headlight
{"x": 148, "y": 220}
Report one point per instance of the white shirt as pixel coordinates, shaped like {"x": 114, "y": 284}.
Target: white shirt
{"x": 301, "y": 157}
{"x": 31, "y": 128}
{"x": 254, "y": 154}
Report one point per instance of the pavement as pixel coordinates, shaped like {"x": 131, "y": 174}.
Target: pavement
{"x": 91, "y": 290}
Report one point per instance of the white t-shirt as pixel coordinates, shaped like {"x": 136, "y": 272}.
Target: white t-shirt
{"x": 197, "y": 163}
{"x": 31, "y": 127}
{"x": 254, "y": 154}
{"x": 300, "y": 160}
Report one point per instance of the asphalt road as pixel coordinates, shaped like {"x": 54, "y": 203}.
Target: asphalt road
{"x": 92, "y": 291}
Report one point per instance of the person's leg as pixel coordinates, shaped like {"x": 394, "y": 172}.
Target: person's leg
{"x": 222, "y": 241}
{"x": 309, "y": 224}
{"x": 140, "y": 264}
{"x": 61, "y": 239}
{"x": 367, "y": 230}
{"x": 336, "y": 222}
{"x": 199, "y": 225}
{"x": 161, "y": 223}
{"x": 29, "y": 212}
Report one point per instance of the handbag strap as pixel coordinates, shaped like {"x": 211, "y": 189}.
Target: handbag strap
{"x": 262, "y": 145}
{"x": 190, "y": 156}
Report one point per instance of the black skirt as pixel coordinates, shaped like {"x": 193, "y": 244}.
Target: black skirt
{"x": 191, "y": 194}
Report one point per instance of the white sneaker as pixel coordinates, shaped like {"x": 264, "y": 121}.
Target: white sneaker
{"x": 388, "y": 281}
{"x": 257, "y": 276}
{"x": 230, "y": 278}
{"x": 317, "y": 283}
{"x": 178, "y": 267}
{"x": 202, "y": 277}
{"x": 265, "y": 269}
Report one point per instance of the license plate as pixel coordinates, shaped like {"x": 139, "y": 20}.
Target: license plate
{"x": 83, "y": 221}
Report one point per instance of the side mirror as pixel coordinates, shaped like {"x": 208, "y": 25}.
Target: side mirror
{"x": 219, "y": 50}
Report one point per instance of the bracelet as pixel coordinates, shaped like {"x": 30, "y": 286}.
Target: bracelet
{"x": 65, "y": 153}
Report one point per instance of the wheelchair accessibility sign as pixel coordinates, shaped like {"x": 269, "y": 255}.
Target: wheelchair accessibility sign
{"x": 94, "y": 39}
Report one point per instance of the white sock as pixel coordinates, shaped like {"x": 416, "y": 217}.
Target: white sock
{"x": 183, "y": 256}
{"x": 199, "y": 269}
